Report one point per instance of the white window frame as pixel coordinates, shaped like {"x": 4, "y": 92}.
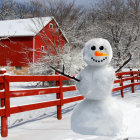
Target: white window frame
{"x": 51, "y": 26}
{"x": 42, "y": 48}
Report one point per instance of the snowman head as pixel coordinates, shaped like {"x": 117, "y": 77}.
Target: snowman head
{"x": 97, "y": 52}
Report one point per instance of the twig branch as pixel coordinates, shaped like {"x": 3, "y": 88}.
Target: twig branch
{"x": 62, "y": 73}
{"x": 123, "y": 64}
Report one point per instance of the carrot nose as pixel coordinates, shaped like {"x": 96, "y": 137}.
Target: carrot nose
{"x": 98, "y": 53}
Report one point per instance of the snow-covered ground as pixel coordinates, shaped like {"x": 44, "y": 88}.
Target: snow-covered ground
{"x": 42, "y": 124}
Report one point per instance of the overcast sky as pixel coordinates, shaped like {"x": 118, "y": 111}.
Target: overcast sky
{"x": 85, "y": 3}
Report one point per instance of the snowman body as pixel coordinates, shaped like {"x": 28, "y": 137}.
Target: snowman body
{"x": 95, "y": 83}
{"x": 97, "y": 114}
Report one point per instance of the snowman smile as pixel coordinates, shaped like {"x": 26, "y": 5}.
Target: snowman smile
{"x": 98, "y": 60}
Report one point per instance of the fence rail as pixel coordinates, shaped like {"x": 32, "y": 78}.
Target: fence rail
{"x": 5, "y": 94}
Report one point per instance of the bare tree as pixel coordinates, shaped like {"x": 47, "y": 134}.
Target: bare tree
{"x": 63, "y": 10}
{"x": 22, "y": 10}
{"x": 54, "y": 48}
{"x": 36, "y": 8}
{"x": 6, "y": 9}
{"x": 70, "y": 17}
{"x": 118, "y": 21}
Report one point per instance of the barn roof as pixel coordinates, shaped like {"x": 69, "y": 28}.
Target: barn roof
{"x": 23, "y": 27}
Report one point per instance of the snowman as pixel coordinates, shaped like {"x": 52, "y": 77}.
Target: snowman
{"x": 98, "y": 114}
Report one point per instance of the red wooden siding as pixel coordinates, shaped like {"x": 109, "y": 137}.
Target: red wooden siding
{"x": 57, "y": 39}
{"x": 17, "y": 51}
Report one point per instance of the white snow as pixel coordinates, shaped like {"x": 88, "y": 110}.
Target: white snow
{"x": 42, "y": 124}
{"x": 2, "y": 69}
{"x": 23, "y": 27}
{"x": 48, "y": 127}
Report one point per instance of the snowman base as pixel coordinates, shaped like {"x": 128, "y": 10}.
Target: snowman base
{"x": 97, "y": 117}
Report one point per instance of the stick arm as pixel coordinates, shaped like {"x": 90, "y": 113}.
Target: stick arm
{"x": 62, "y": 73}
{"x": 127, "y": 61}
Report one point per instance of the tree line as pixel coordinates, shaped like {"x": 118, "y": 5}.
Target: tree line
{"x": 115, "y": 20}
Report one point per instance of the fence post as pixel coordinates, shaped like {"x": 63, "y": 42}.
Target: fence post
{"x": 138, "y": 75}
{"x": 58, "y": 96}
{"x": 121, "y": 84}
{"x": 4, "y": 125}
{"x": 2, "y": 71}
{"x": 4, "y": 121}
{"x": 61, "y": 90}
{"x": 132, "y": 81}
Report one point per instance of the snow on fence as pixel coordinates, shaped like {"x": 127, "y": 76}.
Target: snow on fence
{"x": 5, "y": 94}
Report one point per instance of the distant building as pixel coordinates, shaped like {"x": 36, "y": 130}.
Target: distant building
{"x": 24, "y": 41}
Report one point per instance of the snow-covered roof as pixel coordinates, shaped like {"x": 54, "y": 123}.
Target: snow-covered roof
{"x": 23, "y": 27}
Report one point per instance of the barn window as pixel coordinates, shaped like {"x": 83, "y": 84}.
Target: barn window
{"x": 51, "y": 26}
{"x": 42, "y": 48}
{"x": 18, "y": 67}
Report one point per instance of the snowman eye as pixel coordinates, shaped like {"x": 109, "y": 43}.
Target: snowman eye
{"x": 93, "y": 48}
{"x": 101, "y": 47}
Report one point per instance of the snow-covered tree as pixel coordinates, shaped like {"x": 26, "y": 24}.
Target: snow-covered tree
{"x": 119, "y": 22}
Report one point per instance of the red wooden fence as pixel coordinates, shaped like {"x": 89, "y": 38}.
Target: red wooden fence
{"x": 6, "y": 94}
{"x": 132, "y": 77}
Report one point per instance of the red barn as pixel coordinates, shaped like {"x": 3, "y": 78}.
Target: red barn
{"x": 25, "y": 41}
